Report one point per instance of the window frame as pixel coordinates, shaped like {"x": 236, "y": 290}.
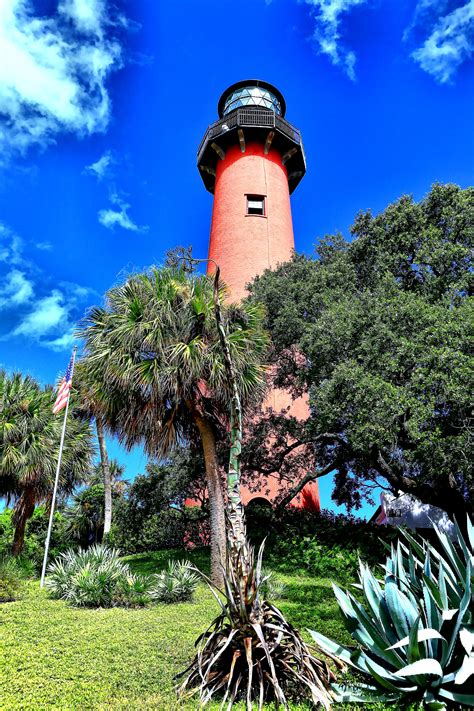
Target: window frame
{"x": 255, "y": 198}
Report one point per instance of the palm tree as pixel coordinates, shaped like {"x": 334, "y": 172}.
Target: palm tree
{"x": 155, "y": 351}
{"x": 29, "y": 444}
{"x": 89, "y": 408}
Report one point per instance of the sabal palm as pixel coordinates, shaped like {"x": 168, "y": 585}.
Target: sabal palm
{"x": 29, "y": 444}
{"x": 155, "y": 351}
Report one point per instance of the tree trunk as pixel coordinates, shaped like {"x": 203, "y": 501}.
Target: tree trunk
{"x": 23, "y": 511}
{"x": 104, "y": 460}
{"x": 216, "y": 498}
{"x": 236, "y": 533}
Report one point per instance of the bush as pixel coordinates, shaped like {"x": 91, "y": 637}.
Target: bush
{"x": 323, "y": 544}
{"x": 416, "y": 629}
{"x": 95, "y": 578}
{"x": 10, "y": 579}
{"x": 35, "y": 535}
{"x": 175, "y": 584}
{"x": 169, "y": 528}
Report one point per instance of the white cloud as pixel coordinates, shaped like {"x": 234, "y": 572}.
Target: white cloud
{"x": 89, "y": 16}
{"x": 53, "y": 72}
{"x": 31, "y": 307}
{"x": 449, "y": 37}
{"x": 328, "y": 16}
{"x": 11, "y": 245}
{"x": 44, "y": 246}
{"x": 101, "y": 168}
{"x": 110, "y": 218}
{"x": 62, "y": 343}
{"x": 48, "y": 313}
{"x": 16, "y": 289}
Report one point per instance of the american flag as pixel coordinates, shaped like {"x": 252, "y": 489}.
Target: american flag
{"x": 64, "y": 388}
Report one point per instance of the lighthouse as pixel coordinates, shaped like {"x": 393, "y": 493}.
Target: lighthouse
{"x": 251, "y": 159}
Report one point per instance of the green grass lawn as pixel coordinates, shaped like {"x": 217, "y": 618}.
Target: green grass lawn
{"x": 53, "y": 656}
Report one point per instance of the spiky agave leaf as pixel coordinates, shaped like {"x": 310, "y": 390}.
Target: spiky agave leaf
{"x": 416, "y": 630}
{"x": 250, "y": 651}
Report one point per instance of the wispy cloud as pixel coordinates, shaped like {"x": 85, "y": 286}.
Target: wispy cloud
{"x": 16, "y": 289}
{"x": 447, "y": 37}
{"x": 118, "y": 216}
{"x": 54, "y": 71}
{"x": 44, "y": 246}
{"x": 11, "y": 246}
{"x": 62, "y": 343}
{"x": 33, "y": 305}
{"x": 441, "y": 34}
{"x": 47, "y": 314}
{"x": 102, "y": 167}
{"x": 328, "y": 15}
{"x": 112, "y": 218}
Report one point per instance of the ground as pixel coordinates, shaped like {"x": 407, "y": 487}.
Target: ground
{"x": 57, "y": 657}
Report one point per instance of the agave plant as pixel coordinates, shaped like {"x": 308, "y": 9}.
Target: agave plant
{"x": 416, "y": 629}
{"x": 176, "y": 584}
{"x": 250, "y": 651}
{"x": 95, "y": 578}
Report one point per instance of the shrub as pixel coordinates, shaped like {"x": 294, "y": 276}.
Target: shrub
{"x": 33, "y": 549}
{"x": 317, "y": 559}
{"x": 95, "y": 578}
{"x": 324, "y": 544}
{"x": 175, "y": 584}
{"x": 416, "y": 629}
{"x": 10, "y": 579}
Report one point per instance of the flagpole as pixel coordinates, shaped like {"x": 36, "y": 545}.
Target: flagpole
{"x": 56, "y": 480}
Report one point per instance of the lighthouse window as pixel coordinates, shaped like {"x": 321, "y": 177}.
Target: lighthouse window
{"x": 255, "y": 205}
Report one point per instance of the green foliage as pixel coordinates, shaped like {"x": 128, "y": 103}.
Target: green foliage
{"x": 84, "y": 517}
{"x": 58, "y": 656}
{"x": 177, "y": 583}
{"x": 29, "y": 441}
{"x": 317, "y": 558}
{"x": 95, "y": 578}
{"x": 154, "y": 346}
{"x": 6, "y": 531}
{"x": 10, "y": 579}
{"x": 250, "y": 651}
{"x": 378, "y": 330}
{"x": 416, "y": 629}
{"x": 152, "y": 514}
{"x": 35, "y": 535}
{"x": 323, "y": 544}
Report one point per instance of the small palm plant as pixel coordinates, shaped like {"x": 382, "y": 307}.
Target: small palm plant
{"x": 175, "y": 584}
{"x": 416, "y": 630}
{"x": 96, "y": 578}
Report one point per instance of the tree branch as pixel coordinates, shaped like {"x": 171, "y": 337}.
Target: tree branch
{"x": 326, "y": 436}
{"x": 309, "y": 477}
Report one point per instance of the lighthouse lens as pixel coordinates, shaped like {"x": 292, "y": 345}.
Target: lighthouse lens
{"x": 252, "y": 96}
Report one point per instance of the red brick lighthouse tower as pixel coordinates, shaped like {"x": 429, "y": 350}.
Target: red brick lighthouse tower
{"x": 252, "y": 159}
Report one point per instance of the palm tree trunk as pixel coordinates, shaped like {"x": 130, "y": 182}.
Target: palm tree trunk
{"x": 104, "y": 460}
{"x": 216, "y": 498}
{"x": 24, "y": 509}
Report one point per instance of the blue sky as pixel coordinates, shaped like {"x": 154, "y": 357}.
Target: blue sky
{"x": 103, "y": 106}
